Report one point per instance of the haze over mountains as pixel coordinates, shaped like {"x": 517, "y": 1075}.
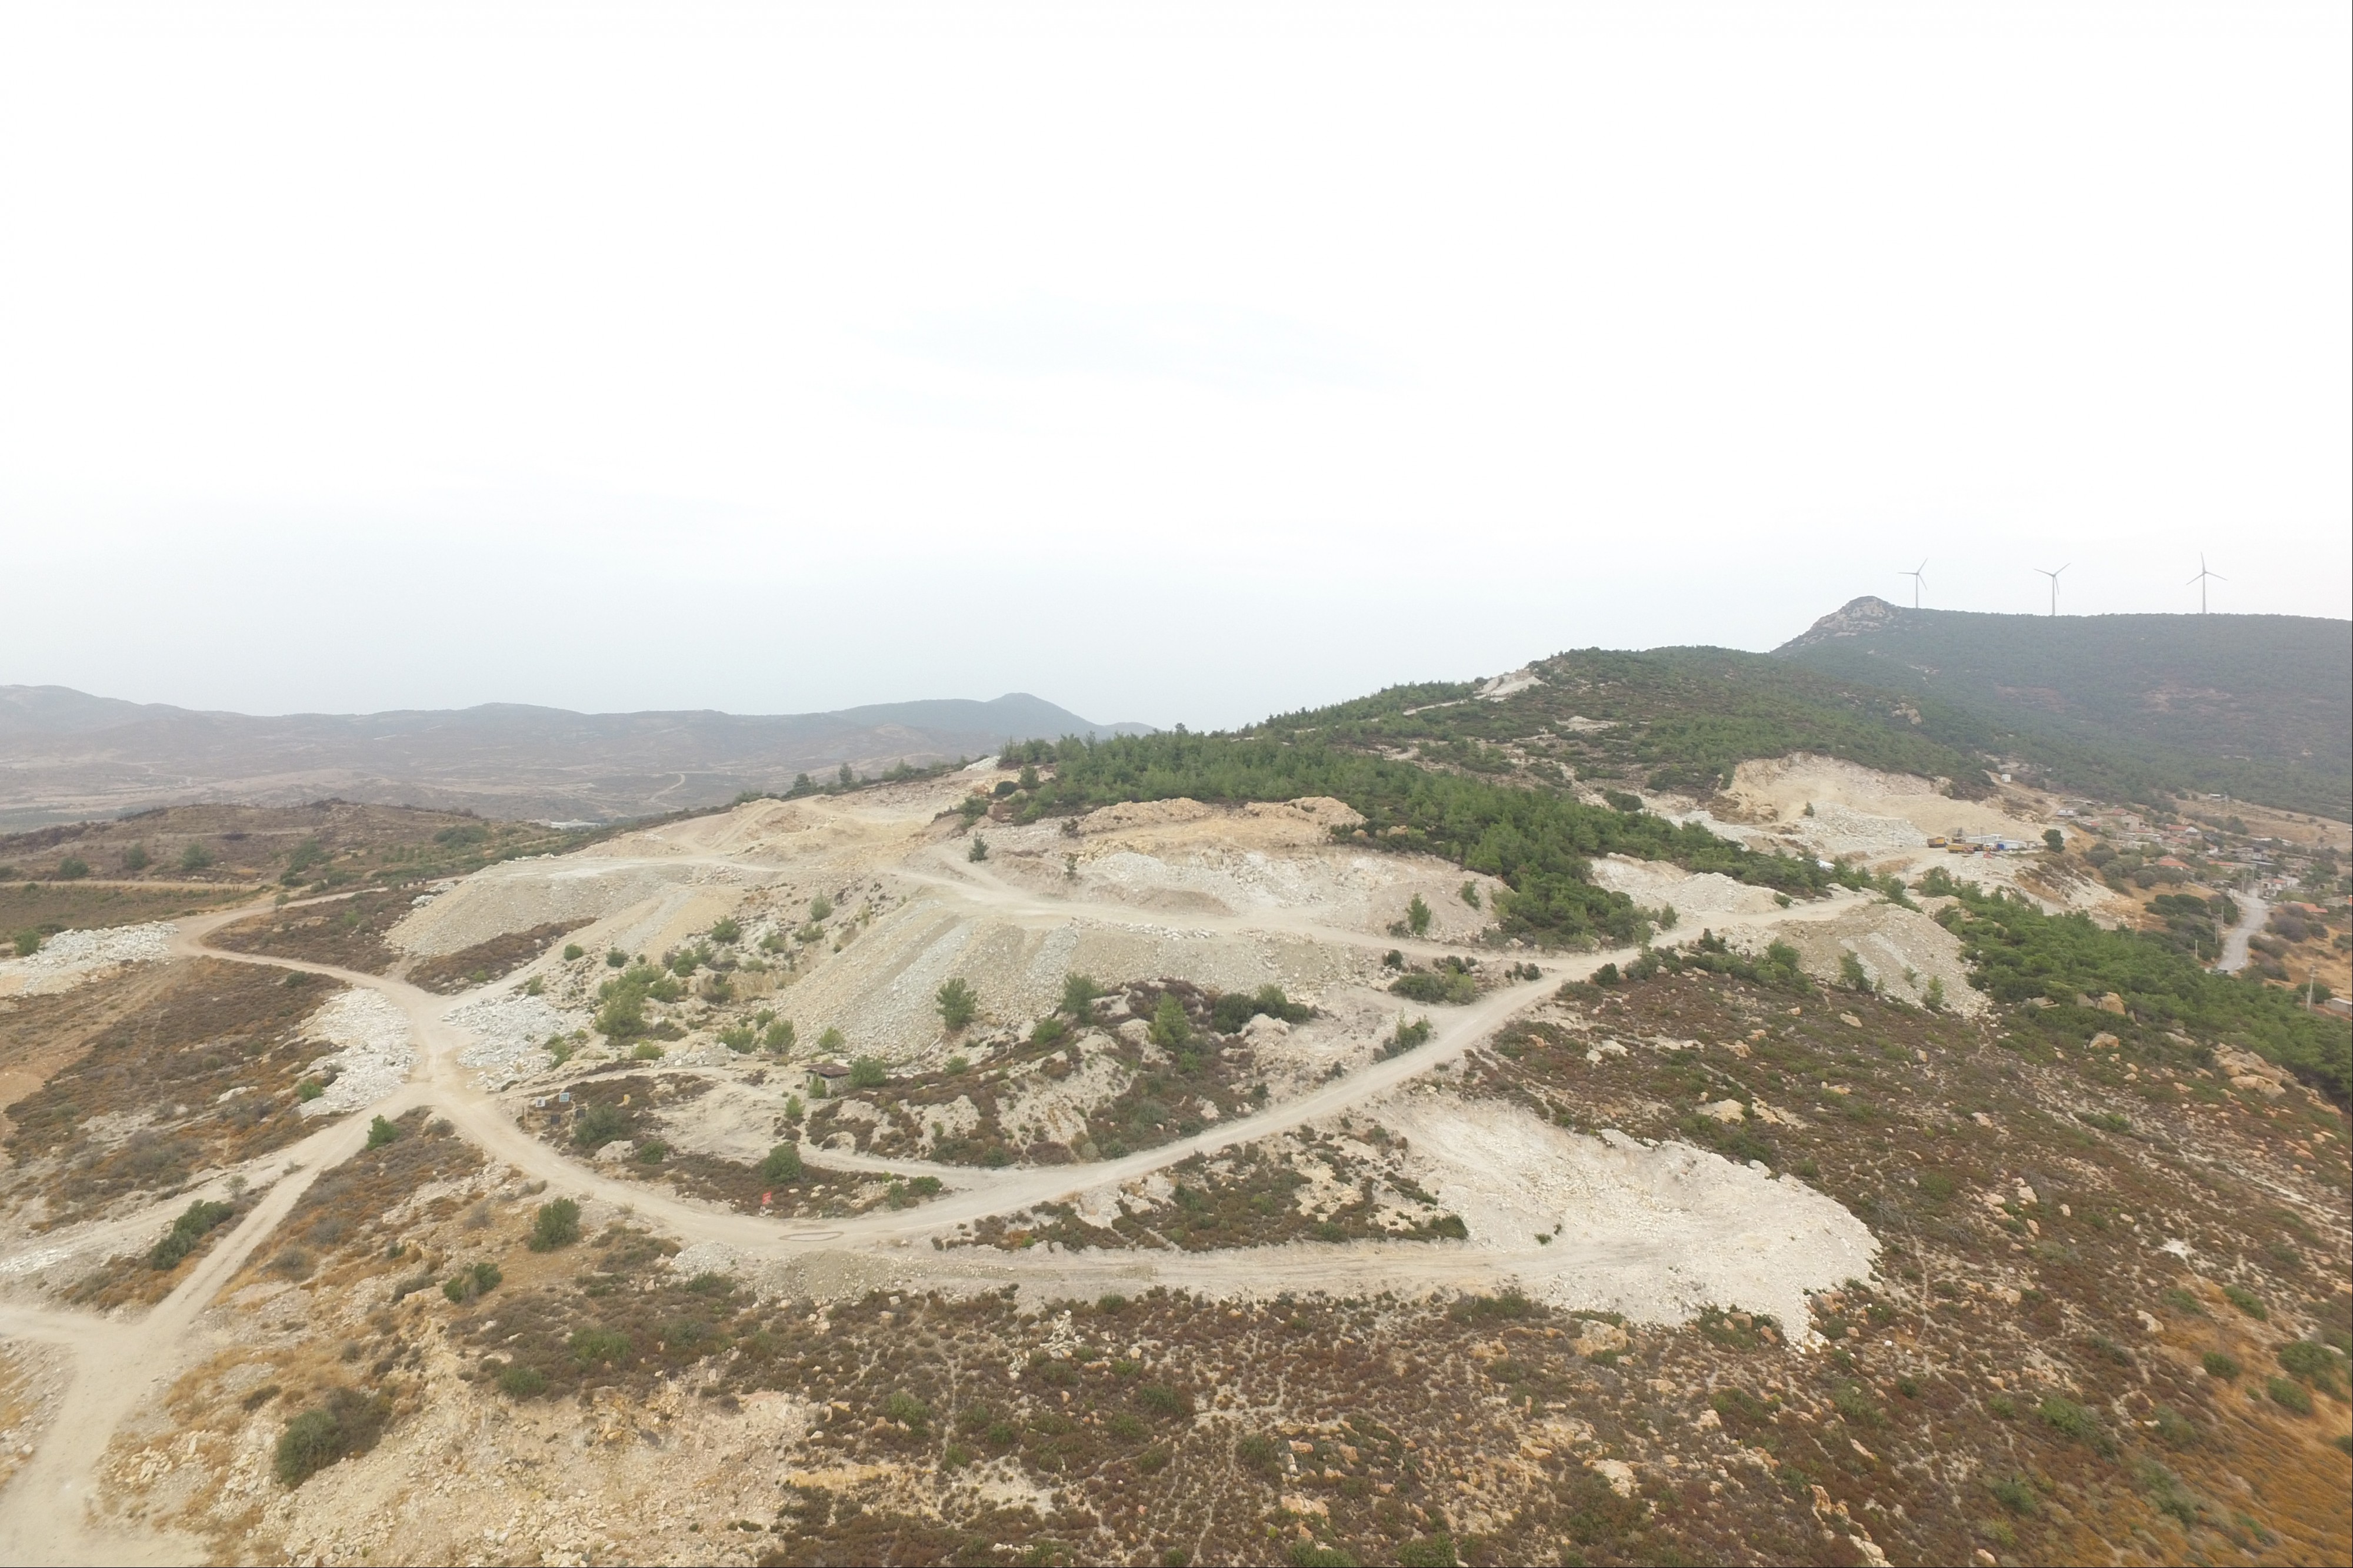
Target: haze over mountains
{"x": 2258, "y": 707}
{"x": 66, "y": 756}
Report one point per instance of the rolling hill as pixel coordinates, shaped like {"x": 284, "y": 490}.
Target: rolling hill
{"x": 66, "y": 756}
{"x": 2258, "y": 707}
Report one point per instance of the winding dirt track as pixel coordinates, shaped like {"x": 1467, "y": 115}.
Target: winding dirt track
{"x": 45, "y": 1513}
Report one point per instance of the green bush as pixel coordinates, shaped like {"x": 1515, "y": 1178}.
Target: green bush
{"x": 652, "y": 1151}
{"x": 907, "y": 1410}
{"x": 979, "y": 850}
{"x": 2219, "y": 1365}
{"x": 1451, "y": 986}
{"x": 72, "y": 869}
{"x": 2247, "y": 1301}
{"x": 2288, "y": 1395}
{"x": 2315, "y": 1364}
{"x": 1079, "y": 994}
{"x": 600, "y": 1124}
{"x": 557, "y": 1223}
{"x": 1427, "y": 1551}
{"x": 348, "y": 1423}
{"x": 1853, "y": 1402}
{"x": 783, "y": 1163}
{"x": 135, "y": 859}
{"x": 590, "y": 1346}
{"x": 522, "y": 1382}
{"x": 727, "y": 930}
{"x": 957, "y": 1003}
{"x": 198, "y": 1220}
{"x": 382, "y": 1134}
{"x": 467, "y": 1283}
{"x": 1235, "y": 1009}
{"x": 1263, "y": 1455}
{"x": 779, "y": 1036}
{"x": 1407, "y": 1037}
{"x": 27, "y": 943}
{"x": 195, "y": 857}
{"x": 1853, "y": 975}
{"x": 1170, "y": 1028}
{"x": 868, "y": 1072}
{"x": 2073, "y": 1421}
{"x": 1313, "y": 1555}
{"x": 2016, "y": 1493}
{"x": 622, "y": 1015}
{"x": 573, "y": 950}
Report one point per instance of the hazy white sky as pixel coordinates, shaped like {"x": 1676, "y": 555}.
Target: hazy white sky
{"x": 1177, "y": 363}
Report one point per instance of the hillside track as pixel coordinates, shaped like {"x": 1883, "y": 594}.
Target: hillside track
{"x": 46, "y": 1514}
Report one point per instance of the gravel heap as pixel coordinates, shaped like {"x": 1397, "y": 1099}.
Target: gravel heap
{"x": 508, "y": 1031}
{"x": 373, "y": 1050}
{"x": 70, "y": 957}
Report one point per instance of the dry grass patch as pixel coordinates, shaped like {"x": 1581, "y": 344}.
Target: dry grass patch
{"x": 199, "y": 1077}
{"x": 345, "y": 932}
{"x": 488, "y": 961}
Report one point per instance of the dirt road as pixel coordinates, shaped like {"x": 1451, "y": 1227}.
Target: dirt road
{"x": 2253, "y": 913}
{"x": 45, "y": 1513}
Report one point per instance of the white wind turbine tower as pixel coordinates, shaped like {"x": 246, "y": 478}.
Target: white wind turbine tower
{"x": 2200, "y": 581}
{"x": 1917, "y": 580}
{"x": 2054, "y": 584}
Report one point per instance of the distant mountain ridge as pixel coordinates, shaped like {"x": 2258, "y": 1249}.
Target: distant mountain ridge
{"x": 2259, "y": 707}
{"x": 66, "y": 754}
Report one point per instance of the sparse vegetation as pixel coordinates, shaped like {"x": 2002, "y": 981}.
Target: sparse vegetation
{"x": 347, "y": 1422}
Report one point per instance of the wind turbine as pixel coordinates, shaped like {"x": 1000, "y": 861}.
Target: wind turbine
{"x": 2200, "y": 581}
{"x": 1917, "y": 580}
{"x": 2054, "y": 584}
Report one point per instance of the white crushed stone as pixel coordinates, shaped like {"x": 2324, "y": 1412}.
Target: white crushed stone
{"x": 34, "y": 1262}
{"x": 704, "y": 1258}
{"x": 373, "y": 1050}
{"x": 509, "y": 1030}
{"x": 1655, "y": 1231}
{"x": 70, "y": 957}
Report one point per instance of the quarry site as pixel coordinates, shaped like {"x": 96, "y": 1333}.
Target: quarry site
{"x": 875, "y": 1176}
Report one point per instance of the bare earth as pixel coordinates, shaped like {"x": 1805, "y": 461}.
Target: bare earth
{"x": 1232, "y": 900}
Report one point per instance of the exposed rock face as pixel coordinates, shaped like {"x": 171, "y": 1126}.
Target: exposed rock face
{"x": 1856, "y": 617}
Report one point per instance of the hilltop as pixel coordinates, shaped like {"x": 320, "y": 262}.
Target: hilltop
{"x": 2258, "y": 707}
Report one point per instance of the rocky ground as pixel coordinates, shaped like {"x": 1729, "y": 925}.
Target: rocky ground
{"x": 1230, "y": 1261}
